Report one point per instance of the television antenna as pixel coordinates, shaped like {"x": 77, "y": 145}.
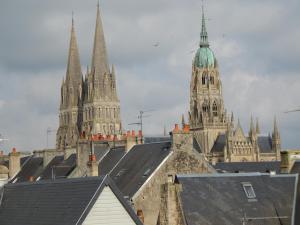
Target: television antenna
{"x": 293, "y": 110}
{"x": 3, "y": 139}
{"x": 48, "y": 132}
{"x": 141, "y": 116}
{"x": 246, "y": 219}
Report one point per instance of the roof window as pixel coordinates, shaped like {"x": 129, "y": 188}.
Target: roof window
{"x": 249, "y": 191}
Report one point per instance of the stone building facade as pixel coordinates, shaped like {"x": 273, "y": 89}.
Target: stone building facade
{"x": 184, "y": 159}
{"x": 216, "y": 133}
{"x": 89, "y": 105}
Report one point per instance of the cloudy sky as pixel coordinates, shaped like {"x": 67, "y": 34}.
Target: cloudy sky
{"x": 256, "y": 43}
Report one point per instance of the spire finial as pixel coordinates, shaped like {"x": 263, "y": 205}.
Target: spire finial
{"x": 72, "y": 18}
{"x": 203, "y": 34}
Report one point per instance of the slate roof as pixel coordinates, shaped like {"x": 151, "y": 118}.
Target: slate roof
{"x": 240, "y": 167}
{"x": 59, "y": 167}
{"x": 296, "y": 170}
{"x": 265, "y": 144}
{"x": 110, "y": 160}
{"x": 137, "y": 165}
{"x": 31, "y": 167}
{"x": 220, "y": 199}
{"x": 219, "y": 144}
{"x": 296, "y": 167}
{"x": 22, "y": 161}
{"x": 63, "y": 202}
{"x": 196, "y": 145}
{"x": 100, "y": 150}
{"x": 148, "y": 140}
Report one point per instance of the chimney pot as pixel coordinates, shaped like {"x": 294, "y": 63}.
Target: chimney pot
{"x": 14, "y": 150}
{"x": 128, "y": 133}
{"x": 133, "y": 133}
{"x": 176, "y": 129}
{"x": 186, "y": 128}
{"x": 93, "y": 158}
{"x": 140, "y": 133}
{"x": 1, "y": 153}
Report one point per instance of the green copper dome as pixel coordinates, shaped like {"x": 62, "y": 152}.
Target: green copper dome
{"x": 205, "y": 58}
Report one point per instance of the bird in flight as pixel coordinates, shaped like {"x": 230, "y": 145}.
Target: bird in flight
{"x": 156, "y": 44}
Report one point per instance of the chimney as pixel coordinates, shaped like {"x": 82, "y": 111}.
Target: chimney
{"x": 131, "y": 140}
{"x": 133, "y": 133}
{"x": 186, "y": 128}
{"x": 176, "y": 129}
{"x": 140, "y": 214}
{"x": 93, "y": 166}
{"x": 14, "y": 162}
{"x": 140, "y": 137}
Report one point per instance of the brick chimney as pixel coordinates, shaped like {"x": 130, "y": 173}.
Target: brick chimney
{"x": 14, "y": 162}
{"x": 131, "y": 140}
{"x": 93, "y": 166}
{"x": 182, "y": 139}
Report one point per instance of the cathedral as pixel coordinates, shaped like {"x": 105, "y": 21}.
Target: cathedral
{"x": 216, "y": 133}
{"x": 89, "y": 105}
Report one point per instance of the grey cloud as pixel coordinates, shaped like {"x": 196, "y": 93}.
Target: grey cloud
{"x": 255, "y": 42}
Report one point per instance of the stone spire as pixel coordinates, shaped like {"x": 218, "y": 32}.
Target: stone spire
{"x": 182, "y": 121}
{"x": 239, "y": 131}
{"x": 99, "y": 59}
{"x": 275, "y": 130}
{"x": 251, "y": 130}
{"x": 73, "y": 67}
{"x": 203, "y": 34}
{"x": 257, "y": 126}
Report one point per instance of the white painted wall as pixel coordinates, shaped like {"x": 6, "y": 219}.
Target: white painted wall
{"x": 108, "y": 210}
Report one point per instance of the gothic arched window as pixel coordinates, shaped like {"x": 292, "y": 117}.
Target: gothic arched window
{"x": 212, "y": 80}
{"x": 203, "y": 80}
{"x": 215, "y": 109}
{"x": 205, "y": 107}
{"x": 195, "y": 82}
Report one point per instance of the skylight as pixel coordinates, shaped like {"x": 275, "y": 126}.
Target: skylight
{"x": 249, "y": 191}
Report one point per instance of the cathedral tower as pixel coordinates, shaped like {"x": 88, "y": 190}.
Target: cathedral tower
{"x": 70, "y": 115}
{"x": 207, "y": 116}
{"x": 101, "y": 108}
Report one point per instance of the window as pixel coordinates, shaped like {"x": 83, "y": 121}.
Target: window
{"x": 212, "y": 80}
{"x": 203, "y": 79}
{"x": 249, "y": 191}
{"x": 147, "y": 172}
{"x": 205, "y": 107}
{"x": 215, "y": 109}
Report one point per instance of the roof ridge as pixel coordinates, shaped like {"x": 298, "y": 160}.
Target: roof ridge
{"x": 56, "y": 181}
